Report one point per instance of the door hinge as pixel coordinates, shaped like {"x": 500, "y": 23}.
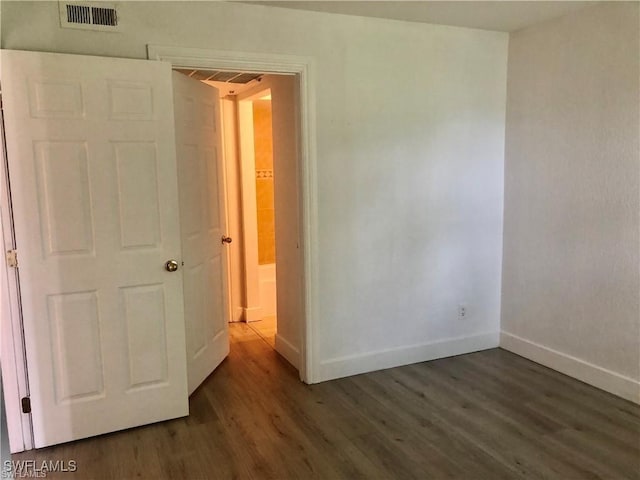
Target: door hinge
{"x": 26, "y": 405}
{"x": 12, "y": 258}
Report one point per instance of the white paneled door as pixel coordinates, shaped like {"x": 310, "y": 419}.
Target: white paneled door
{"x": 202, "y": 216}
{"x": 92, "y": 167}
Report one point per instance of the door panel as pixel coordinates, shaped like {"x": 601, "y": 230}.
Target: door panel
{"x": 202, "y": 213}
{"x": 92, "y": 166}
{"x": 75, "y": 335}
{"x": 138, "y": 191}
{"x": 62, "y": 176}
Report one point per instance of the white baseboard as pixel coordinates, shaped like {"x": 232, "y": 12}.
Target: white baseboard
{"x": 599, "y": 377}
{"x": 238, "y": 314}
{"x": 252, "y": 314}
{"x": 285, "y": 348}
{"x": 395, "y": 357}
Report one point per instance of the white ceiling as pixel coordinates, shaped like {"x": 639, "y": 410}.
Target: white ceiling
{"x": 506, "y": 16}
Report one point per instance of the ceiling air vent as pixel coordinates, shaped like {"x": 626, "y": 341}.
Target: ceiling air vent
{"x": 220, "y": 76}
{"x": 88, "y": 16}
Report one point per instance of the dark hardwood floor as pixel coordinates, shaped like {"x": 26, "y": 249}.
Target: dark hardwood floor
{"x": 486, "y": 415}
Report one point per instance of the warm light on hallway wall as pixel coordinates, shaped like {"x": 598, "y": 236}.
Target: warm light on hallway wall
{"x": 263, "y": 144}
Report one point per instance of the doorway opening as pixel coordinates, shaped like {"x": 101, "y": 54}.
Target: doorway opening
{"x": 296, "y": 196}
{"x": 255, "y": 125}
{"x": 259, "y": 135}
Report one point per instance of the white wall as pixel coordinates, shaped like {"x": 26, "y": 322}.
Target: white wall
{"x": 570, "y": 296}
{"x": 286, "y": 175}
{"x": 410, "y": 148}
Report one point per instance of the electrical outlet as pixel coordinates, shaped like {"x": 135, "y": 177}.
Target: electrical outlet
{"x": 462, "y": 311}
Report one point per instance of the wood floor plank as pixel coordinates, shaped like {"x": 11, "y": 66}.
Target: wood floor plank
{"x": 550, "y": 383}
{"x": 432, "y": 426}
{"x": 513, "y": 426}
{"x": 488, "y": 414}
{"x": 409, "y": 426}
{"x": 300, "y": 418}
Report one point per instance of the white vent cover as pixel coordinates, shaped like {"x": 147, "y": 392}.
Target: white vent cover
{"x": 98, "y": 16}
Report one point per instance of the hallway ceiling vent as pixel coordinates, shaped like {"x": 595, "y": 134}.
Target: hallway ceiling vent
{"x": 97, "y": 16}
{"x": 220, "y": 76}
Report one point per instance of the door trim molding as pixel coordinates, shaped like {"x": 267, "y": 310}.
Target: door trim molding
{"x": 304, "y": 68}
{"x": 15, "y": 378}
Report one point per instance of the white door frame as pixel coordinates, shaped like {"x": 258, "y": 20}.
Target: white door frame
{"x": 303, "y": 67}
{"x": 13, "y": 356}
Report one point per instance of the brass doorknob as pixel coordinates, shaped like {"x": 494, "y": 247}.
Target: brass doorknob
{"x": 226, "y": 239}
{"x": 171, "y": 266}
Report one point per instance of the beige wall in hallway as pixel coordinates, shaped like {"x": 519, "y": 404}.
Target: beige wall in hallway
{"x": 263, "y": 143}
